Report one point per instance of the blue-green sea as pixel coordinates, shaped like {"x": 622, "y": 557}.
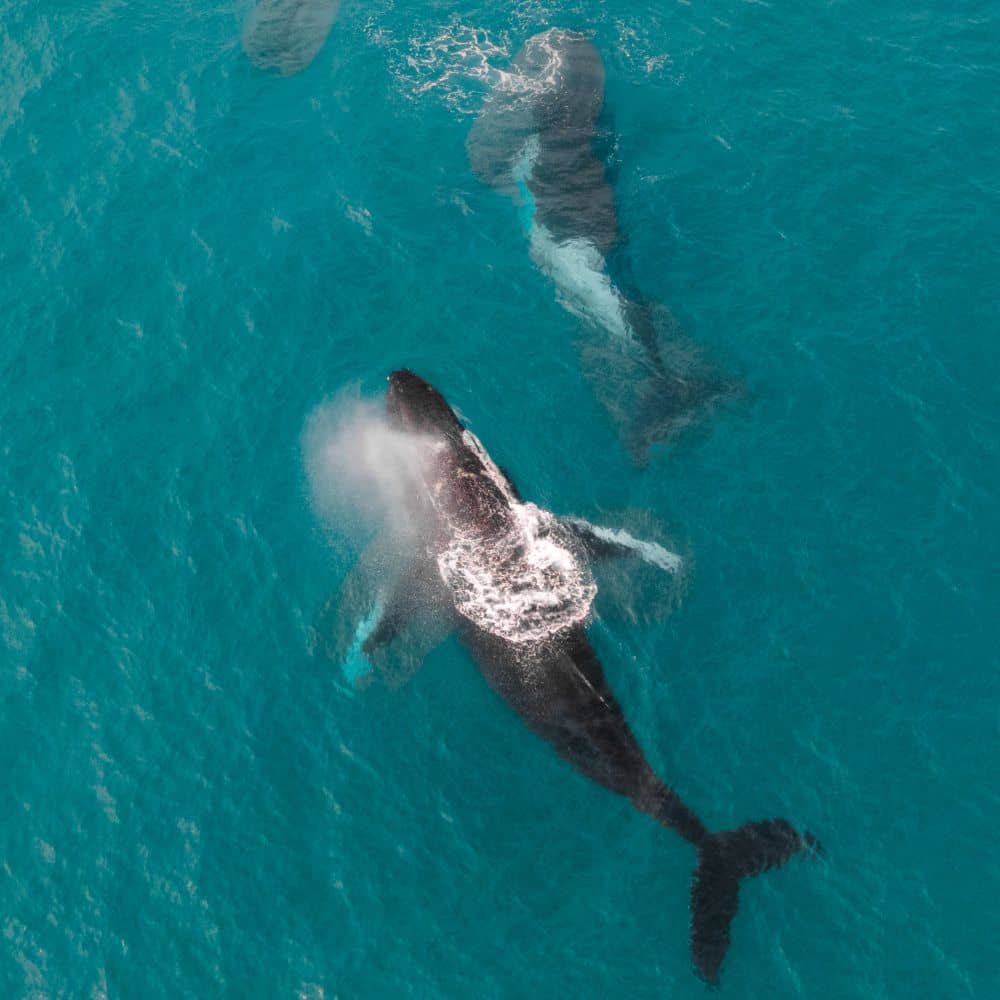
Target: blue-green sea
{"x": 196, "y": 255}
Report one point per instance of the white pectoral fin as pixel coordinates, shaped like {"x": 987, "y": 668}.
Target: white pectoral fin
{"x": 382, "y": 621}
{"x": 408, "y": 598}
{"x": 607, "y": 543}
{"x": 356, "y": 666}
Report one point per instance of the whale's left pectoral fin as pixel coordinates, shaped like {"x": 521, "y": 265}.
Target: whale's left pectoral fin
{"x": 409, "y": 597}
{"x": 382, "y": 622}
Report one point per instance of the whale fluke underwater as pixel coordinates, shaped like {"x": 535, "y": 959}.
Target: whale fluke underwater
{"x": 284, "y": 36}
{"x": 534, "y": 141}
{"x": 516, "y": 583}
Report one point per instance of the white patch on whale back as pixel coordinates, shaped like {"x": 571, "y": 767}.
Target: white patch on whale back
{"x": 576, "y": 267}
{"x": 583, "y": 287}
{"x": 528, "y": 583}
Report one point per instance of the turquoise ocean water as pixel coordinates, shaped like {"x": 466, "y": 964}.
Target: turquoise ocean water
{"x": 195, "y": 255}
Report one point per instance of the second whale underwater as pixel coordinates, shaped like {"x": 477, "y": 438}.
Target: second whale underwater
{"x": 514, "y": 582}
{"x": 534, "y": 141}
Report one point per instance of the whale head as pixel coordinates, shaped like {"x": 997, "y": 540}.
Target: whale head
{"x": 567, "y": 71}
{"x": 414, "y": 405}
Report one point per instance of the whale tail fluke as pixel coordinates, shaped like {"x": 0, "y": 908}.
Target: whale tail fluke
{"x": 723, "y": 860}
{"x": 670, "y": 401}
{"x": 672, "y": 385}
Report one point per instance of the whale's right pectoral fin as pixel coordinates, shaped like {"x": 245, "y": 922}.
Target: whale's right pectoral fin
{"x": 639, "y": 578}
{"x": 616, "y": 543}
{"x": 382, "y": 622}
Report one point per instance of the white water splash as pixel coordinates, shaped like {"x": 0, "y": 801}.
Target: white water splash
{"x": 528, "y": 583}
{"x": 459, "y": 60}
{"x": 457, "y": 53}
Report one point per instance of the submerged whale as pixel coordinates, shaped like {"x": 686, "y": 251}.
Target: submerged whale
{"x": 285, "y": 35}
{"x": 516, "y": 583}
{"x": 534, "y": 140}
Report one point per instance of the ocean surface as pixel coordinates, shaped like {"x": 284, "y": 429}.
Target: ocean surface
{"x": 197, "y": 255}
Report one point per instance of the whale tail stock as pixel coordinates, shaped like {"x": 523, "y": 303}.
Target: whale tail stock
{"x": 724, "y": 859}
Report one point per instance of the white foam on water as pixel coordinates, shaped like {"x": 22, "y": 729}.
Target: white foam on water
{"x": 457, "y": 60}
{"x": 447, "y": 61}
{"x": 527, "y": 584}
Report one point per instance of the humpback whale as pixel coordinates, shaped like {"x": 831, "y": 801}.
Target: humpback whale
{"x": 285, "y": 35}
{"x": 516, "y": 581}
{"x": 534, "y": 140}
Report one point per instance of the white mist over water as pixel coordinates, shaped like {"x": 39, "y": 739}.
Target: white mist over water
{"x": 364, "y": 474}
{"x": 366, "y": 477}
{"x": 367, "y": 485}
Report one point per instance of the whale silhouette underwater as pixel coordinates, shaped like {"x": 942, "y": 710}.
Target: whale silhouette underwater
{"x": 534, "y": 141}
{"x": 516, "y": 583}
{"x": 284, "y": 36}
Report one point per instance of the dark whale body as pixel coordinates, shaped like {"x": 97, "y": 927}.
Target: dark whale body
{"x": 568, "y": 182}
{"x": 534, "y": 140}
{"x": 554, "y": 680}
